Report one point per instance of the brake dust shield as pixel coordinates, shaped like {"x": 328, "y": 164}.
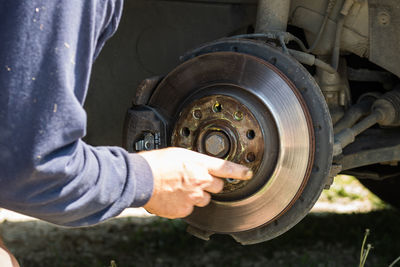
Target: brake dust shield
{"x": 241, "y": 108}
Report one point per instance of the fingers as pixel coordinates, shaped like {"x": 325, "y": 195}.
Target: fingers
{"x": 204, "y": 201}
{"x": 199, "y": 198}
{"x": 215, "y": 166}
{"x": 200, "y": 177}
{"x": 184, "y": 179}
{"x": 226, "y": 169}
{"x": 215, "y": 186}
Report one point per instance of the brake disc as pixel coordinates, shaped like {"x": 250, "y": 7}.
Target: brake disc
{"x": 278, "y": 121}
{"x": 249, "y": 103}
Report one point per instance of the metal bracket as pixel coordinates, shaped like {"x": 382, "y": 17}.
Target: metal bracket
{"x": 372, "y": 147}
{"x": 144, "y": 129}
{"x": 199, "y": 233}
{"x": 335, "y": 170}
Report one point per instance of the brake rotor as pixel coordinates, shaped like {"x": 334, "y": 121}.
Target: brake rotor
{"x": 241, "y": 108}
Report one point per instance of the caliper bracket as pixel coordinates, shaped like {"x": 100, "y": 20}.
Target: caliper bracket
{"x": 144, "y": 127}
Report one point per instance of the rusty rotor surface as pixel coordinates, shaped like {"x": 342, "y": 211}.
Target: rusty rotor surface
{"x": 221, "y": 126}
{"x": 291, "y": 120}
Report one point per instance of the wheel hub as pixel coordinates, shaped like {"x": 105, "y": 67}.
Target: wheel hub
{"x": 225, "y": 129}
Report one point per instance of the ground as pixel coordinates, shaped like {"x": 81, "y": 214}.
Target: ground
{"x": 331, "y": 235}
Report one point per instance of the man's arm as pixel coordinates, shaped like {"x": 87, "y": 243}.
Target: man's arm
{"x": 46, "y": 171}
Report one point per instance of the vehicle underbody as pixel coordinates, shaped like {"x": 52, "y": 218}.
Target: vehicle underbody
{"x": 297, "y": 90}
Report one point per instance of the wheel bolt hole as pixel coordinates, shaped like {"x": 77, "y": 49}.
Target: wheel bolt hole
{"x": 185, "y": 132}
{"x": 217, "y": 107}
{"x": 250, "y": 134}
{"x": 250, "y": 157}
{"x": 232, "y": 181}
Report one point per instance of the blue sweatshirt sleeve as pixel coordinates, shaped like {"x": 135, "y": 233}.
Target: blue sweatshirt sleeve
{"x": 47, "y": 49}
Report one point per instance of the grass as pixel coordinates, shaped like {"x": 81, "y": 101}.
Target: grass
{"x": 321, "y": 239}
{"x": 346, "y": 189}
{"x": 364, "y": 251}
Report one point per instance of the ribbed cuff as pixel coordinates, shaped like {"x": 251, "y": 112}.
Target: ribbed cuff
{"x": 143, "y": 180}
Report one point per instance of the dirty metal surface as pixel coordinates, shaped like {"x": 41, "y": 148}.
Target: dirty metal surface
{"x": 385, "y": 148}
{"x": 144, "y": 129}
{"x": 221, "y": 126}
{"x": 320, "y": 127}
{"x": 280, "y": 110}
{"x": 384, "y": 22}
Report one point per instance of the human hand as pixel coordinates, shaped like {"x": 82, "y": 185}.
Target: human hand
{"x": 6, "y": 258}
{"x": 184, "y": 179}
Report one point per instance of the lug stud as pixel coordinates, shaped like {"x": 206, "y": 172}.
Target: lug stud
{"x": 238, "y": 115}
{"x": 197, "y": 114}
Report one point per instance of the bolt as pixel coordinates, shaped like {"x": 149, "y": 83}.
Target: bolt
{"x": 147, "y": 145}
{"x": 383, "y": 18}
{"x": 238, "y": 115}
{"x": 217, "y": 144}
{"x": 197, "y": 114}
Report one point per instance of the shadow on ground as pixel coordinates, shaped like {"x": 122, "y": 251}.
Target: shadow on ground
{"x": 319, "y": 240}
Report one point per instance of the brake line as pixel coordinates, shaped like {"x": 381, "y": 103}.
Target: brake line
{"x": 328, "y": 11}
